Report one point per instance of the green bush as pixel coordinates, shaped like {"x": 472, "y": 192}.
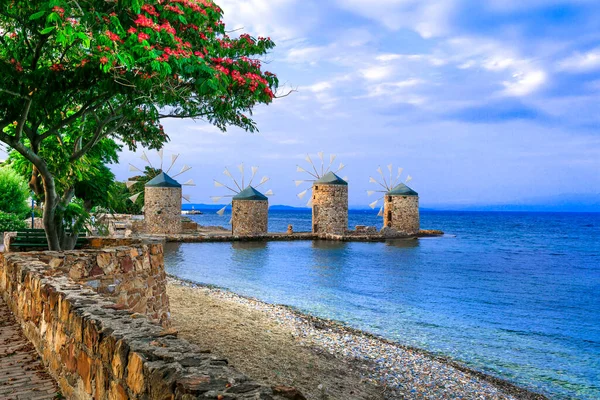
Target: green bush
{"x": 10, "y": 222}
{"x": 15, "y": 191}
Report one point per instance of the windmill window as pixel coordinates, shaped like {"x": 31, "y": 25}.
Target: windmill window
{"x": 316, "y": 188}
{"x": 389, "y": 198}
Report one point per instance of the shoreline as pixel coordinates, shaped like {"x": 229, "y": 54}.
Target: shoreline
{"x": 399, "y": 371}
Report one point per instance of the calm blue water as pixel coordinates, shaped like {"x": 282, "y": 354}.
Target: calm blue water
{"x": 516, "y": 295}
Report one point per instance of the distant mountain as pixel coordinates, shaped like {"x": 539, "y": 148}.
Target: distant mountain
{"x": 558, "y": 203}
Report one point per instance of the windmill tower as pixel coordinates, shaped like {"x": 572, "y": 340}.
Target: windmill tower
{"x": 400, "y": 210}
{"x": 162, "y": 198}
{"x": 249, "y": 207}
{"x": 329, "y": 197}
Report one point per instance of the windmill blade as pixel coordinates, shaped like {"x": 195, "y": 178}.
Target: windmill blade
{"x": 312, "y": 164}
{"x": 186, "y": 197}
{"x": 298, "y": 183}
{"x": 190, "y": 183}
{"x": 341, "y": 167}
{"x": 302, "y": 194}
{"x": 390, "y": 167}
{"x": 230, "y": 221}
{"x": 373, "y": 180}
{"x": 160, "y": 155}
{"x": 227, "y": 173}
{"x": 219, "y": 184}
{"x": 254, "y": 171}
{"x": 143, "y": 209}
{"x": 221, "y": 212}
{"x": 135, "y": 197}
{"x": 370, "y": 192}
{"x": 310, "y": 203}
{"x": 345, "y": 178}
{"x": 129, "y": 184}
{"x": 320, "y": 154}
{"x": 408, "y": 179}
{"x": 380, "y": 213}
{"x": 173, "y": 159}
{"x": 382, "y": 176}
{"x": 331, "y": 160}
{"x": 145, "y": 158}
{"x": 185, "y": 168}
{"x": 241, "y": 168}
{"x": 373, "y": 204}
{"x": 300, "y": 169}
{"x": 134, "y": 168}
{"x": 216, "y": 199}
{"x": 399, "y": 173}
{"x": 269, "y": 193}
{"x": 264, "y": 180}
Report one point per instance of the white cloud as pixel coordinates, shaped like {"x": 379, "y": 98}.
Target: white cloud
{"x": 429, "y": 18}
{"x": 396, "y": 91}
{"x": 581, "y": 62}
{"x": 377, "y": 72}
{"x": 525, "y": 83}
{"x": 261, "y": 17}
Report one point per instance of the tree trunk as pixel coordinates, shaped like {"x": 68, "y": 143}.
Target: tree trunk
{"x": 50, "y": 203}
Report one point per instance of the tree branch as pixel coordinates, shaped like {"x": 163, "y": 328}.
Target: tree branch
{"x": 99, "y": 134}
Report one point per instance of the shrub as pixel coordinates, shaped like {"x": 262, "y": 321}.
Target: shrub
{"x": 10, "y": 222}
{"x": 15, "y": 192}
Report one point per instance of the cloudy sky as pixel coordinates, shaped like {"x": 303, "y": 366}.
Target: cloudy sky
{"x": 479, "y": 101}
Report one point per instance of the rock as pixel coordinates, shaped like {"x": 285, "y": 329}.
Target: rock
{"x": 288, "y": 392}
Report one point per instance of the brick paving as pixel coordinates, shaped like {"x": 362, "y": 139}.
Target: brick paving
{"x": 22, "y": 375}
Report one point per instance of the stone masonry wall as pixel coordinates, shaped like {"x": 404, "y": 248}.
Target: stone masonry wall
{"x": 95, "y": 351}
{"x": 330, "y": 209}
{"x": 162, "y": 210}
{"x": 249, "y": 217}
{"x": 133, "y": 277}
{"x": 402, "y": 214}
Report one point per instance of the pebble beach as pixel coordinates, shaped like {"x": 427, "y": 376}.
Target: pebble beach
{"x": 323, "y": 359}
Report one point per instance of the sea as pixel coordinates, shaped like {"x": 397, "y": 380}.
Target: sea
{"x": 514, "y": 295}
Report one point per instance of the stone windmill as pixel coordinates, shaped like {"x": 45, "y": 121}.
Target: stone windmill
{"x": 400, "y": 210}
{"x": 329, "y": 197}
{"x": 249, "y": 207}
{"x": 162, "y": 196}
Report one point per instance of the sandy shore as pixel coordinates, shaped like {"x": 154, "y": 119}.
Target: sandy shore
{"x": 323, "y": 359}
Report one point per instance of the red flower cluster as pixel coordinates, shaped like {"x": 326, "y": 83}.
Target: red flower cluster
{"x": 57, "y": 67}
{"x": 17, "y": 65}
{"x": 150, "y": 10}
{"x": 174, "y": 9}
{"x": 103, "y": 60}
{"x": 59, "y": 10}
{"x": 113, "y": 36}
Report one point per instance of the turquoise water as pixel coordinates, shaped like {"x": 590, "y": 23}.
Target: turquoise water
{"x": 516, "y": 295}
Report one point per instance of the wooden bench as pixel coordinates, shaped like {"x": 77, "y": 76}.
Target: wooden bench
{"x": 36, "y": 239}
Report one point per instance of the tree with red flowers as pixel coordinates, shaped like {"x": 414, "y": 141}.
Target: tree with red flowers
{"x": 101, "y": 69}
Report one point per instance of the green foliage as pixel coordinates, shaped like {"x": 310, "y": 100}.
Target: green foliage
{"x": 74, "y": 74}
{"x": 11, "y": 222}
{"x": 14, "y": 193}
{"x": 88, "y": 176}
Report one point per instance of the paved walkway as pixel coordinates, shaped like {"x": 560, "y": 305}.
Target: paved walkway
{"x": 22, "y": 375}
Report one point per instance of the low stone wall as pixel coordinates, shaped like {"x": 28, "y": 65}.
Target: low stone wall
{"x": 95, "y": 351}
{"x": 133, "y": 277}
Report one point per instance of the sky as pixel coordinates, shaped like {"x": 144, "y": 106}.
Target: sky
{"x": 481, "y": 102}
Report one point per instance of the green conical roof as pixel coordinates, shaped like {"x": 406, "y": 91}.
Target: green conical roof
{"x": 163, "y": 180}
{"x": 331, "y": 179}
{"x": 402, "y": 190}
{"x": 250, "y": 194}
